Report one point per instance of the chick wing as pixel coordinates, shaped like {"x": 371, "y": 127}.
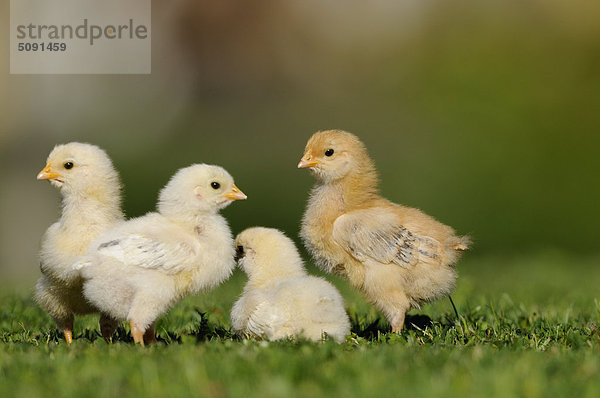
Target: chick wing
{"x": 147, "y": 252}
{"x": 160, "y": 246}
{"x": 266, "y": 319}
{"x": 377, "y": 234}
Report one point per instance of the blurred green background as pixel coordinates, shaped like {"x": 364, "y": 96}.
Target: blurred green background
{"x": 483, "y": 114}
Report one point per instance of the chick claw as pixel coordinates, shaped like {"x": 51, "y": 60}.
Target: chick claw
{"x": 136, "y": 333}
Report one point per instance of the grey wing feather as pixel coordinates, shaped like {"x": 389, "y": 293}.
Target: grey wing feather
{"x": 373, "y": 234}
{"x": 145, "y": 252}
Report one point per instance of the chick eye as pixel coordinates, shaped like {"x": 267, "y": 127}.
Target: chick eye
{"x": 215, "y": 185}
{"x": 329, "y": 152}
{"x": 68, "y": 165}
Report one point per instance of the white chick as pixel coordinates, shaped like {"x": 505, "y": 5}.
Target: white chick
{"x": 280, "y": 299}
{"x": 141, "y": 268}
{"x": 91, "y": 204}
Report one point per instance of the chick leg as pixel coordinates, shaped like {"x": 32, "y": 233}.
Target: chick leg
{"x": 136, "y": 333}
{"x": 384, "y": 288}
{"x": 68, "y": 333}
{"x": 107, "y": 327}
{"x": 145, "y": 309}
{"x": 398, "y": 323}
{"x": 394, "y": 306}
{"x": 66, "y": 327}
{"x": 149, "y": 337}
{"x": 48, "y": 296}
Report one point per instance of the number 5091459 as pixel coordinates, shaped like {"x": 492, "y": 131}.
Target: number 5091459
{"x": 42, "y": 46}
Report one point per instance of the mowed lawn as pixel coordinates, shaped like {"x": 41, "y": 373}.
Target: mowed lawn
{"x": 528, "y": 326}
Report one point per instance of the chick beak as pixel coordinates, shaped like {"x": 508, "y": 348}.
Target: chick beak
{"x": 48, "y": 174}
{"x": 239, "y": 253}
{"x": 307, "y": 162}
{"x": 235, "y": 194}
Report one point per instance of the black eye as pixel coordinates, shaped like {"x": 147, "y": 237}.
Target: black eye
{"x": 329, "y": 152}
{"x": 215, "y": 185}
{"x": 68, "y": 165}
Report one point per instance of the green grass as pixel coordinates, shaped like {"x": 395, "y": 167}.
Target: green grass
{"x": 528, "y": 326}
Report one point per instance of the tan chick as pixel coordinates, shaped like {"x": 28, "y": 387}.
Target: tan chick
{"x": 91, "y": 204}
{"x": 142, "y": 267}
{"x": 280, "y": 299}
{"x": 397, "y": 256}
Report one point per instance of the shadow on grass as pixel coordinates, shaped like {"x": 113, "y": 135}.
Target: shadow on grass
{"x": 371, "y": 330}
{"x": 207, "y": 331}
{"x": 199, "y": 329}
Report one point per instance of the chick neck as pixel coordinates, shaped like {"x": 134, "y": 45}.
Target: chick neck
{"x": 266, "y": 280}
{"x": 95, "y": 205}
{"x": 263, "y": 278}
{"x": 188, "y": 219}
{"x": 352, "y": 191}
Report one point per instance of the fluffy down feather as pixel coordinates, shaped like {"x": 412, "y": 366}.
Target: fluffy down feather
{"x": 281, "y": 300}
{"x": 91, "y": 204}
{"x": 139, "y": 269}
{"x": 398, "y": 256}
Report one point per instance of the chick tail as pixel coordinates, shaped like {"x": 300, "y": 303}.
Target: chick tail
{"x": 454, "y": 248}
{"x": 463, "y": 243}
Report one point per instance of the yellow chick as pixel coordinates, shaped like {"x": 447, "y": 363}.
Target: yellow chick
{"x": 280, "y": 299}
{"x": 139, "y": 269}
{"x": 91, "y": 204}
{"x": 397, "y": 256}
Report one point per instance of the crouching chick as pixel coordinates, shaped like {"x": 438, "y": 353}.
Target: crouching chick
{"x": 280, "y": 299}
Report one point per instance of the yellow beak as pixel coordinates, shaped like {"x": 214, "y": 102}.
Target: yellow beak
{"x": 235, "y": 194}
{"x": 306, "y": 162}
{"x": 47, "y": 173}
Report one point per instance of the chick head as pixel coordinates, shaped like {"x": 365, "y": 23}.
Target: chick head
{"x": 332, "y": 154}
{"x": 197, "y": 189}
{"x": 265, "y": 253}
{"x": 78, "y": 167}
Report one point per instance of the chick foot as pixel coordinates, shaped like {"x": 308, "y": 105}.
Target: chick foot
{"x": 66, "y": 327}
{"x": 136, "y": 333}
{"x": 68, "y": 333}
